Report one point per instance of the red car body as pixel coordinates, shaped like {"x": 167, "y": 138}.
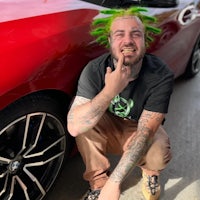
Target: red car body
{"x": 43, "y": 52}
{"x": 45, "y": 44}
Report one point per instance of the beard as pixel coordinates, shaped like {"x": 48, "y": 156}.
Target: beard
{"x": 130, "y": 61}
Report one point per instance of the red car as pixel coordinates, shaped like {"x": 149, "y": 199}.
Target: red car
{"x": 44, "y": 46}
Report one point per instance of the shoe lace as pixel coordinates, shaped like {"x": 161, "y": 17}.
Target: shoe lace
{"x": 92, "y": 195}
{"x": 153, "y": 184}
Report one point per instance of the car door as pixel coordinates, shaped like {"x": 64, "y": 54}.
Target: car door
{"x": 180, "y": 31}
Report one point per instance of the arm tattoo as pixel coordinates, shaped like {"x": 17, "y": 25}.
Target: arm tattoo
{"x": 77, "y": 101}
{"x": 138, "y": 146}
{"x": 130, "y": 158}
{"x": 89, "y": 111}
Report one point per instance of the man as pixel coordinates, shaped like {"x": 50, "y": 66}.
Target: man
{"x": 121, "y": 102}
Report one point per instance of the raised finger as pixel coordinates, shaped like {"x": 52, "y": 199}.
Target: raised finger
{"x": 120, "y": 62}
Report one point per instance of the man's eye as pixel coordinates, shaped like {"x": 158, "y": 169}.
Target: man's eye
{"x": 118, "y": 35}
{"x": 136, "y": 34}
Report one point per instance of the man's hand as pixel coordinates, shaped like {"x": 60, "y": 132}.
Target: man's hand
{"x": 117, "y": 80}
{"x": 110, "y": 191}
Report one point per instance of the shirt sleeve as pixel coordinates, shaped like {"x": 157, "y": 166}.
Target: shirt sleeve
{"x": 89, "y": 84}
{"x": 159, "y": 95}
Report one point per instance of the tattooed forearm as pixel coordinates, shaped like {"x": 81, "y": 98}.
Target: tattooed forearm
{"x": 148, "y": 115}
{"x": 138, "y": 146}
{"x": 85, "y": 113}
{"x": 135, "y": 150}
{"x": 151, "y": 119}
{"x": 77, "y": 102}
{"x": 90, "y": 117}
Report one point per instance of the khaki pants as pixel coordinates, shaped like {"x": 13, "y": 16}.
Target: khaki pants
{"x": 110, "y": 136}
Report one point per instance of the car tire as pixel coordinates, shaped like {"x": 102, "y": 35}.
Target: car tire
{"x": 193, "y": 66}
{"x": 33, "y": 146}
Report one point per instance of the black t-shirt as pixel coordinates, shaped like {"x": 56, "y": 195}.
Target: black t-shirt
{"x": 150, "y": 91}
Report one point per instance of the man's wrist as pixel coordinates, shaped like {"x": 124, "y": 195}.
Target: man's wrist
{"x": 113, "y": 182}
{"x": 107, "y": 94}
{"x": 116, "y": 178}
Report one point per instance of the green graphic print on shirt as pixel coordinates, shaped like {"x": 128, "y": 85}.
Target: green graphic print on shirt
{"x": 121, "y": 107}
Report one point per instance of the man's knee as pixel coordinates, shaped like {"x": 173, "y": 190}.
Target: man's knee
{"x": 162, "y": 158}
{"x": 158, "y": 155}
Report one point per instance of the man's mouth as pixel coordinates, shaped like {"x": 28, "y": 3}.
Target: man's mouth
{"x": 128, "y": 50}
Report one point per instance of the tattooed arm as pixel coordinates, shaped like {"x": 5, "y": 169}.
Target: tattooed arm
{"x": 85, "y": 113}
{"x": 137, "y": 147}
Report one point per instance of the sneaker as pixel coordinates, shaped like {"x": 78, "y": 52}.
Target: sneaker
{"x": 150, "y": 187}
{"x": 92, "y": 195}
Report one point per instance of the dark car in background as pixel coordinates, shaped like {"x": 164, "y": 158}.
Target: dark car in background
{"x": 44, "y": 46}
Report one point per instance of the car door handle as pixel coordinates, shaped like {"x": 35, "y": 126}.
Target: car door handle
{"x": 188, "y": 14}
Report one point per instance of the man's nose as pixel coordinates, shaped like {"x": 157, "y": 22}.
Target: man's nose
{"x": 128, "y": 39}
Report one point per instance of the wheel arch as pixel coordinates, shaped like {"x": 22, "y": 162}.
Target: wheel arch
{"x": 193, "y": 67}
{"x": 58, "y": 95}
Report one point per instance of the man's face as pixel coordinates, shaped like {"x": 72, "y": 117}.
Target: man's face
{"x": 127, "y": 37}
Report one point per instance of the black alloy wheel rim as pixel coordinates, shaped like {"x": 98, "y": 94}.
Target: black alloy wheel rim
{"x": 31, "y": 154}
{"x": 196, "y": 58}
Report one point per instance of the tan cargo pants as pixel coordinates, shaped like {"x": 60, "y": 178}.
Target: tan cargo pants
{"x": 110, "y": 136}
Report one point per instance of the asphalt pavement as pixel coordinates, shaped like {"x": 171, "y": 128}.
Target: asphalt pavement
{"x": 181, "y": 179}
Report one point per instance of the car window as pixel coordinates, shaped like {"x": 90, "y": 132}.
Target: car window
{"x": 127, "y": 3}
{"x": 160, "y": 3}
{"x": 105, "y": 3}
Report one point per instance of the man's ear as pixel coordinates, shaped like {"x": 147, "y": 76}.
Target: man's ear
{"x": 109, "y": 39}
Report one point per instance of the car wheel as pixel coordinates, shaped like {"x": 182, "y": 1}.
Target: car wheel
{"x": 194, "y": 64}
{"x": 33, "y": 146}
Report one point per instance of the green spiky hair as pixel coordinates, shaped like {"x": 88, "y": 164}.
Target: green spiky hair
{"x": 101, "y": 26}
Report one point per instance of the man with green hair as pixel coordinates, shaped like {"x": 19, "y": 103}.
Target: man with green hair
{"x": 120, "y": 106}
